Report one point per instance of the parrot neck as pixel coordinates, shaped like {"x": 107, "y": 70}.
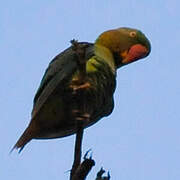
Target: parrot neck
{"x": 105, "y": 55}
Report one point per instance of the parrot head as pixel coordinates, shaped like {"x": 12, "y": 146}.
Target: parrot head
{"x": 126, "y": 44}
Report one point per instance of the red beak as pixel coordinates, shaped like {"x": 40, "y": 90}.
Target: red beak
{"x": 136, "y": 52}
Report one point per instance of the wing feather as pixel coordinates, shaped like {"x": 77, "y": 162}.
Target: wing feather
{"x": 60, "y": 70}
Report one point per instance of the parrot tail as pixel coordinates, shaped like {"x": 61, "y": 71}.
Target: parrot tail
{"x": 24, "y": 139}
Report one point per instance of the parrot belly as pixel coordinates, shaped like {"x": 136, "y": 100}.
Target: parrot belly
{"x": 56, "y": 118}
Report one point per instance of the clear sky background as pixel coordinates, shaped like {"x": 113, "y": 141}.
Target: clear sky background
{"x": 140, "y": 140}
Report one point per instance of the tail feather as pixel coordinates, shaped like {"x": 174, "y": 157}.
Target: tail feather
{"x": 23, "y": 140}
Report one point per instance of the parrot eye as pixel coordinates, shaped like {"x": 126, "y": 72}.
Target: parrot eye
{"x": 132, "y": 34}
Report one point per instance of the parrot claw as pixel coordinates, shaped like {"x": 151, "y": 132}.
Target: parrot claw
{"x": 77, "y": 88}
{"x": 83, "y": 117}
{"x": 85, "y": 85}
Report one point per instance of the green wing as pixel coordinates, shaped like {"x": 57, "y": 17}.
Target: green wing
{"x": 60, "y": 70}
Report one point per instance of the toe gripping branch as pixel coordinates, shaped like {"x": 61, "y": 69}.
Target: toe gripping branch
{"x": 80, "y": 51}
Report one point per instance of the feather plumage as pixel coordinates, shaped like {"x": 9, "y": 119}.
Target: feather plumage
{"x": 52, "y": 114}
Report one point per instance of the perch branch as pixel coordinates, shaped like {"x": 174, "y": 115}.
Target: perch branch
{"x": 80, "y": 50}
{"x": 80, "y": 170}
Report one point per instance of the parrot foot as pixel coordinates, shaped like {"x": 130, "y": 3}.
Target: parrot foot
{"x": 80, "y": 51}
{"x": 85, "y": 85}
{"x": 79, "y": 116}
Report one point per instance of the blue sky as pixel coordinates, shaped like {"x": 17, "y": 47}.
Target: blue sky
{"x": 140, "y": 139}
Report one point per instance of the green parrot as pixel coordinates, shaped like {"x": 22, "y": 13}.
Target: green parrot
{"x": 55, "y": 100}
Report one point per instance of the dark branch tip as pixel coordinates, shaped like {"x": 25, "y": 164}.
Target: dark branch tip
{"x": 86, "y": 154}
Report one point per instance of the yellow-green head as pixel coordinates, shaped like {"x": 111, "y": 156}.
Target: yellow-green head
{"x": 126, "y": 44}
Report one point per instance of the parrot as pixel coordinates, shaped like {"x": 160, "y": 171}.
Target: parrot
{"x": 55, "y": 102}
